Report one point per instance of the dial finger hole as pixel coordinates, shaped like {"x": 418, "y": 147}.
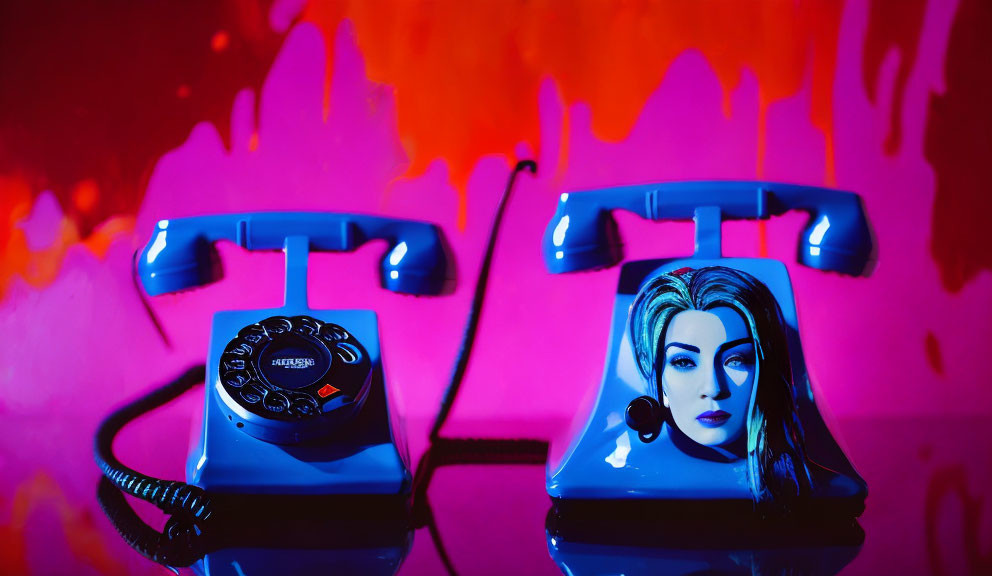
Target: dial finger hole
{"x": 333, "y": 333}
{"x": 348, "y": 353}
{"x": 303, "y": 406}
{"x": 276, "y": 326}
{"x": 236, "y": 379}
{"x": 276, "y": 402}
{"x": 243, "y": 349}
{"x": 252, "y": 393}
{"x": 304, "y": 325}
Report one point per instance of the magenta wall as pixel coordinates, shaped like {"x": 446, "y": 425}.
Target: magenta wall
{"x": 874, "y": 346}
{"x": 911, "y": 339}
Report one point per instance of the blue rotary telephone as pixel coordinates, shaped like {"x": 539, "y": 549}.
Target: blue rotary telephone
{"x": 296, "y": 401}
{"x": 296, "y": 458}
{"x": 283, "y": 381}
{"x": 615, "y": 462}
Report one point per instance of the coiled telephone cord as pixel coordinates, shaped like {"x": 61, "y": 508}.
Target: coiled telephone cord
{"x": 172, "y": 497}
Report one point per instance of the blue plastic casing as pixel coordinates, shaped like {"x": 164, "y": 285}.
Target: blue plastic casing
{"x": 360, "y": 457}
{"x": 606, "y": 459}
{"x": 361, "y": 460}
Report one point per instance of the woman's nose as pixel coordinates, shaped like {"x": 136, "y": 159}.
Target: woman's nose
{"x": 712, "y": 386}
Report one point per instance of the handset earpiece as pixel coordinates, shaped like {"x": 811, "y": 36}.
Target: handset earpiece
{"x": 581, "y": 236}
{"x": 837, "y": 237}
{"x": 177, "y": 260}
{"x": 416, "y": 263}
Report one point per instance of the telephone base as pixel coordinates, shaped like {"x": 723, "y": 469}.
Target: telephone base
{"x": 360, "y": 458}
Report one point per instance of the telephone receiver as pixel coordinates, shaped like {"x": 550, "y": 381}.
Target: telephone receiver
{"x": 181, "y": 254}
{"x": 583, "y": 235}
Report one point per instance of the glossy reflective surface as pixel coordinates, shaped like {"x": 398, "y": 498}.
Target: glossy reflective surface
{"x": 926, "y": 512}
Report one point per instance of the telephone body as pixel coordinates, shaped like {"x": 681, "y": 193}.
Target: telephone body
{"x": 295, "y": 401}
{"x": 604, "y": 464}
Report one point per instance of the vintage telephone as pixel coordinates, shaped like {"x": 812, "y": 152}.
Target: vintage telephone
{"x": 607, "y": 466}
{"x": 295, "y": 402}
{"x": 296, "y": 439}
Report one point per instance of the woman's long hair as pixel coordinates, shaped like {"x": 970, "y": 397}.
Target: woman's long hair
{"x": 777, "y": 468}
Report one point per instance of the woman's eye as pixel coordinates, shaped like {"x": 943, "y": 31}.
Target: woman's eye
{"x": 735, "y": 361}
{"x": 682, "y": 362}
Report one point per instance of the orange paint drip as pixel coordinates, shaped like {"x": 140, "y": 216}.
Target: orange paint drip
{"x": 99, "y": 241}
{"x": 15, "y": 202}
{"x": 830, "y": 160}
{"x": 40, "y": 267}
{"x": 760, "y": 169}
{"x": 330, "y": 14}
{"x": 81, "y": 533}
{"x": 467, "y": 74}
{"x": 564, "y": 146}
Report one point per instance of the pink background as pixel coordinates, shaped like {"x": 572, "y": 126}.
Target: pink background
{"x": 910, "y": 340}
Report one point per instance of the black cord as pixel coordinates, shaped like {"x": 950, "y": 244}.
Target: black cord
{"x": 472, "y": 324}
{"x": 179, "y": 544}
{"x": 443, "y": 451}
{"x": 173, "y": 497}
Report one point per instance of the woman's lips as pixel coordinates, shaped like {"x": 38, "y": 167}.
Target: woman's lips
{"x": 713, "y": 418}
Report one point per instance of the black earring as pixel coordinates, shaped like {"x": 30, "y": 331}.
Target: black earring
{"x": 645, "y": 415}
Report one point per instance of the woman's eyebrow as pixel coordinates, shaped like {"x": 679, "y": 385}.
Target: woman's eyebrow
{"x": 732, "y": 343}
{"x": 688, "y": 347}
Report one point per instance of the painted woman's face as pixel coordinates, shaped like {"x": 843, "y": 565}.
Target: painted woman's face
{"x": 708, "y": 374}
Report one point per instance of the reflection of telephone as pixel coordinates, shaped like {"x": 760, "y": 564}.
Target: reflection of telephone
{"x": 606, "y": 463}
{"x": 273, "y": 535}
{"x": 702, "y": 556}
{"x": 296, "y": 402}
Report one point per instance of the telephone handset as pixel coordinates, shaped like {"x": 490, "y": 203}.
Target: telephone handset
{"x": 180, "y": 254}
{"x": 623, "y": 453}
{"x": 583, "y": 235}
